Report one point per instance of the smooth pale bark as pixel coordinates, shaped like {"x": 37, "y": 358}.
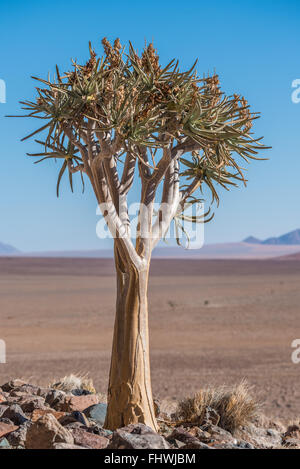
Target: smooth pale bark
{"x": 130, "y": 392}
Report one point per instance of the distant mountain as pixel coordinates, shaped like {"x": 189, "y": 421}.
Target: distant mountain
{"x": 288, "y": 239}
{"x": 6, "y": 249}
{"x": 252, "y": 240}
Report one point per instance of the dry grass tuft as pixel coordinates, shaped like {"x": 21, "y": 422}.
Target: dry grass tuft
{"x": 71, "y": 382}
{"x": 235, "y": 405}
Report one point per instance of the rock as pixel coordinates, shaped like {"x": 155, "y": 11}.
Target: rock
{"x": 79, "y": 403}
{"x": 244, "y": 445}
{"x": 196, "y": 445}
{"x": 80, "y": 392}
{"x": 25, "y": 389}
{"x": 3, "y": 409}
{"x": 210, "y": 417}
{"x": 98, "y": 430}
{"x": 71, "y": 425}
{"x": 15, "y": 414}
{"x": 156, "y": 404}
{"x": 43, "y": 392}
{"x": 16, "y": 383}
{"x": 45, "y": 432}
{"x": 18, "y": 437}
{"x": 217, "y": 433}
{"x": 4, "y": 444}
{"x": 293, "y": 431}
{"x": 137, "y": 436}
{"x": 90, "y": 440}
{"x": 38, "y": 413}
{"x": 29, "y": 404}
{"x": 66, "y": 446}
{"x": 289, "y": 442}
{"x": 63, "y": 402}
{"x": 180, "y": 434}
{"x": 97, "y": 413}
{"x": 5, "y": 429}
{"x": 80, "y": 417}
{"x": 260, "y": 437}
{"x": 2, "y": 398}
{"x": 201, "y": 435}
{"x": 55, "y": 399}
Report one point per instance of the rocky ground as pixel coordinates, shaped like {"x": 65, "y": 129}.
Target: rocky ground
{"x": 32, "y": 417}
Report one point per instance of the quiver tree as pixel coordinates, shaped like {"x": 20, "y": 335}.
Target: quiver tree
{"x": 125, "y": 117}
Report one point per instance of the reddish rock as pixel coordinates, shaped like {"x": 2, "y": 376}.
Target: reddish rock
{"x": 2, "y": 398}
{"x": 5, "y": 429}
{"x": 15, "y": 383}
{"x": 38, "y": 413}
{"x": 79, "y": 403}
{"x": 45, "y": 432}
{"x": 183, "y": 436}
{"x": 137, "y": 436}
{"x": 30, "y": 403}
{"x": 67, "y": 446}
{"x": 84, "y": 438}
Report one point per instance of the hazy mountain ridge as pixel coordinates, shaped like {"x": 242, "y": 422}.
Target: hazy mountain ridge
{"x": 8, "y": 249}
{"x": 251, "y": 247}
{"x": 288, "y": 239}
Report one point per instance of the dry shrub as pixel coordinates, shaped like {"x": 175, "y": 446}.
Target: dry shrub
{"x": 71, "y": 382}
{"x": 235, "y": 405}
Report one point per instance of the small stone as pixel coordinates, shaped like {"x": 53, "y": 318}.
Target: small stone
{"x": 137, "y": 436}
{"x": 180, "y": 434}
{"x": 90, "y": 440}
{"x": 291, "y": 442}
{"x": 66, "y": 446}
{"x": 4, "y": 444}
{"x": 25, "y": 389}
{"x": 244, "y": 445}
{"x": 156, "y": 404}
{"x": 29, "y": 404}
{"x": 16, "y": 383}
{"x": 3, "y": 409}
{"x": 293, "y": 431}
{"x": 210, "y": 417}
{"x": 15, "y": 414}
{"x": 38, "y": 413}
{"x": 5, "y": 429}
{"x": 80, "y": 417}
{"x": 45, "y": 432}
{"x": 97, "y": 413}
{"x": 18, "y": 437}
{"x": 196, "y": 445}
{"x": 55, "y": 399}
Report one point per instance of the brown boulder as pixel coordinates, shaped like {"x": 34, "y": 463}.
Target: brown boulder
{"x": 5, "y": 429}
{"x": 38, "y": 413}
{"x": 45, "y": 432}
{"x": 90, "y": 440}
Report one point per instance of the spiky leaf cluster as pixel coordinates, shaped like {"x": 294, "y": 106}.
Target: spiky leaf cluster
{"x": 130, "y": 101}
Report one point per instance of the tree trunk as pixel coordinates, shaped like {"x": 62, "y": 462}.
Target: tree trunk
{"x": 129, "y": 392}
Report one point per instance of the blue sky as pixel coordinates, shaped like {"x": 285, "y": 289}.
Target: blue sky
{"x": 254, "y": 47}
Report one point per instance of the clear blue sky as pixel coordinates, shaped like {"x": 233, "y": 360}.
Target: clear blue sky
{"x": 253, "y": 45}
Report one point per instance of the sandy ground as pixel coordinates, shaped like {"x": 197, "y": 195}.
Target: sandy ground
{"x": 212, "y": 322}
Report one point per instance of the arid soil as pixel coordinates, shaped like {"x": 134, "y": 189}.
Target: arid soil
{"x": 212, "y": 322}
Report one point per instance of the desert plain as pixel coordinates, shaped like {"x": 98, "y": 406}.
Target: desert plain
{"x": 212, "y": 322}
